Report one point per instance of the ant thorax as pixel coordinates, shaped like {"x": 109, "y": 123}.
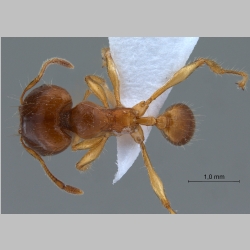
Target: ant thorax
{"x": 89, "y": 120}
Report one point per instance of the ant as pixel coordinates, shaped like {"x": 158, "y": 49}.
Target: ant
{"x": 49, "y": 124}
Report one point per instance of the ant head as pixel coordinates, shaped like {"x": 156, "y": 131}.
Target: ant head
{"x": 40, "y": 114}
{"x": 40, "y": 119}
{"x": 177, "y": 124}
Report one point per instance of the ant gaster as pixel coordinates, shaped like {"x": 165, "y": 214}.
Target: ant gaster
{"x": 49, "y": 124}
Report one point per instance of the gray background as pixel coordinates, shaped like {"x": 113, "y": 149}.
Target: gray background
{"x": 221, "y": 144}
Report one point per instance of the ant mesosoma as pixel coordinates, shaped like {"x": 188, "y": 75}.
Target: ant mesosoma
{"x": 49, "y": 124}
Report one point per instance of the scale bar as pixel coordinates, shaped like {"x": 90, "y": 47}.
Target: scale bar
{"x": 214, "y": 181}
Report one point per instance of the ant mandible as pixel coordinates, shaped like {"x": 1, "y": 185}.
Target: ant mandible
{"x": 49, "y": 124}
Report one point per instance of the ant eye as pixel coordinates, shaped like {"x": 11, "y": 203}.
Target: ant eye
{"x": 177, "y": 124}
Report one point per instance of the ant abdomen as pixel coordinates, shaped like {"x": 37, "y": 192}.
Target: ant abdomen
{"x": 177, "y": 124}
{"x": 41, "y": 116}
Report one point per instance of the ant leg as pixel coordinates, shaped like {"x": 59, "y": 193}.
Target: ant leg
{"x": 75, "y": 140}
{"x": 60, "y": 184}
{"x": 95, "y": 147}
{"x": 155, "y": 180}
{"x": 86, "y": 95}
{"x": 99, "y": 88}
{"x": 184, "y": 73}
{"x": 113, "y": 74}
{"x": 110, "y": 94}
{"x": 85, "y": 144}
{"x": 54, "y": 60}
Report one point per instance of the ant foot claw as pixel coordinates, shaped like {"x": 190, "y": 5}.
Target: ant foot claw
{"x": 241, "y": 85}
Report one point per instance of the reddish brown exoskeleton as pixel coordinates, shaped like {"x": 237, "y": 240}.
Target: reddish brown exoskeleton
{"x": 49, "y": 124}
